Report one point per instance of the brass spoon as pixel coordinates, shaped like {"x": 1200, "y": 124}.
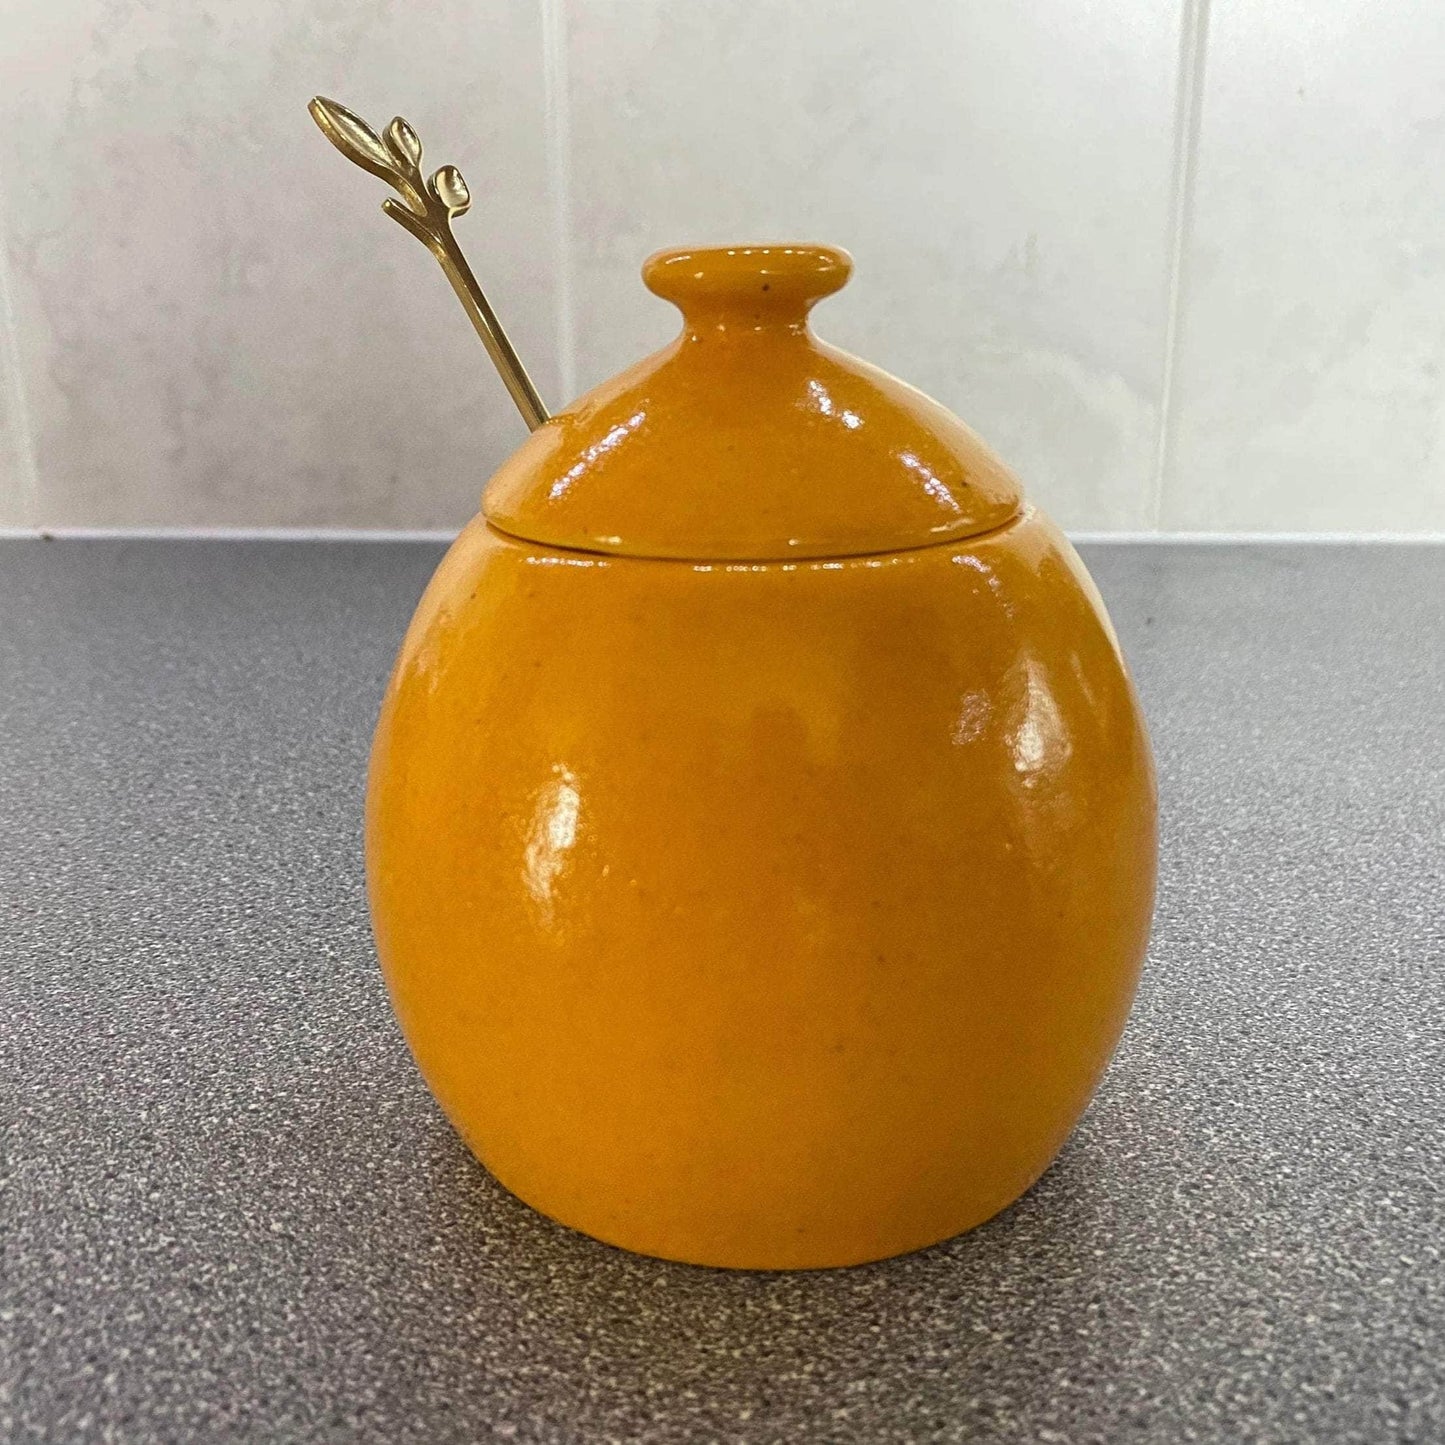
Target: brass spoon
{"x": 426, "y": 209}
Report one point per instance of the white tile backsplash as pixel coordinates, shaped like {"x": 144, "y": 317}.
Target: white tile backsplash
{"x": 214, "y": 325}
{"x": 1310, "y": 385}
{"x": 1000, "y": 172}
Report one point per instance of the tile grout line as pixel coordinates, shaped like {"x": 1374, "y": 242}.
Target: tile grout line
{"x": 557, "y": 105}
{"x": 12, "y": 382}
{"x": 1188, "y": 115}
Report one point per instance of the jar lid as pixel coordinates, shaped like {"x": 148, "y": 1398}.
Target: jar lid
{"x": 748, "y": 439}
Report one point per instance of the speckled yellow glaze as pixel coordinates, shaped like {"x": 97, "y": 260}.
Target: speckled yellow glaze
{"x": 744, "y": 910}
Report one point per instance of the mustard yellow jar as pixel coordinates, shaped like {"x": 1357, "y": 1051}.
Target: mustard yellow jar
{"x": 761, "y": 822}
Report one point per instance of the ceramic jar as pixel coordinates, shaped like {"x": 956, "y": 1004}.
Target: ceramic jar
{"x": 761, "y": 823}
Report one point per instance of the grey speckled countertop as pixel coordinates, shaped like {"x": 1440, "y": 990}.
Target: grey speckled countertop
{"x": 231, "y": 1210}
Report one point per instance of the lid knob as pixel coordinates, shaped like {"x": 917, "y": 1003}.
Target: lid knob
{"x": 746, "y": 287}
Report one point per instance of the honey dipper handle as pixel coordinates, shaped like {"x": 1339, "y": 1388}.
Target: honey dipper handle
{"x": 426, "y": 209}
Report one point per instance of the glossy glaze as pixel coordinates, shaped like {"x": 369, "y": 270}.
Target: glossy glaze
{"x": 760, "y": 913}
{"x": 748, "y": 438}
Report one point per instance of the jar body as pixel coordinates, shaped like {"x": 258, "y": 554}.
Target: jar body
{"x": 766, "y": 915}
